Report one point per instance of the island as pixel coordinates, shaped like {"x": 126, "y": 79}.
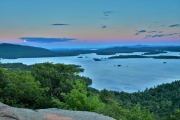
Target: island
{"x": 96, "y": 59}
{"x": 141, "y": 56}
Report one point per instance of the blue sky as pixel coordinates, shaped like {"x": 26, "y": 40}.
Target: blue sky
{"x": 89, "y": 23}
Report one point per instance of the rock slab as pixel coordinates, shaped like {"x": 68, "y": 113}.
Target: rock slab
{"x": 12, "y": 113}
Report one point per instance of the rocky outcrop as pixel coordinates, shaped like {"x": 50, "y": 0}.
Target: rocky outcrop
{"x": 12, "y": 113}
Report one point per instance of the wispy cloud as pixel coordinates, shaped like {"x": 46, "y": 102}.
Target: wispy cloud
{"x": 152, "y": 31}
{"x": 140, "y": 31}
{"x": 59, "y": 24}
{"x": 174, "y": 25}
{"x": 148, "y": 36}
{"x": 169, "y": 34}
{"x": 160, "y": 31}
{"x": 136, "y": 34}
{"x": 46, "y": 40}
{"x": 106, "y": 13}
{"x": 161, "y": 35}
{"x": 158, "y": 35}
{"x": 103, "y": 26}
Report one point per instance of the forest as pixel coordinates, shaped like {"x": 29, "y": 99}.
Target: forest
{"x": 48, "y": 85}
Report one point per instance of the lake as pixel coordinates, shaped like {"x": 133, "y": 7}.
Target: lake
{"x": 133, "y": 74}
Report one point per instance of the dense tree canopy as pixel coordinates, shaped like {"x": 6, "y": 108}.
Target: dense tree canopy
{"x": 161, "y": 100}
{"x": 18, "y": 88}
{"x": 57, "y": 77}
{"x": 58, "y": 85}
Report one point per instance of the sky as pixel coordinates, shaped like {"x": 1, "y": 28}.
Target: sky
{"x": 89, "y": 23}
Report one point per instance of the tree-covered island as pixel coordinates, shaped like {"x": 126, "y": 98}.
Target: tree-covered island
{"x": 142, "y": 56}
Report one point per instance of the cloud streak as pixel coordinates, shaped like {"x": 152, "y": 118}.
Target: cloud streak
{"x": 46, "y": 40}
{"x": 103, "y": 26}
{"x": 174, "y": 25}
{"x": 106, "y": 13}
{"x": 160, "y": 35}
{"x": 152, "y": 31}
{"x": 59, "y": 24}
{"x": 136, "y": 34}
{"x": 140, "y": 31}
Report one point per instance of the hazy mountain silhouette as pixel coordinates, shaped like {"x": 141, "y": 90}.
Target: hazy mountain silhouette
{"x": 20, "y": 51}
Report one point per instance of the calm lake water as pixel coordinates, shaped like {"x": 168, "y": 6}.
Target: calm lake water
{"x": 133, "y": 74}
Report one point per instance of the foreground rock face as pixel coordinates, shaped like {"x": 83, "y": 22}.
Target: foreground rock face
{"x": 12, "y": 113}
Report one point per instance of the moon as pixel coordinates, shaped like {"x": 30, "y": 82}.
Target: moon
{"x": 24, "y": 40}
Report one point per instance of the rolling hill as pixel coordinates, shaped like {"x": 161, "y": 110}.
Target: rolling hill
{"x": 12, "y": 51}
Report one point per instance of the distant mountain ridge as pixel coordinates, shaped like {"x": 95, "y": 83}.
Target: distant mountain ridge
{"x": 12, "y": 51}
